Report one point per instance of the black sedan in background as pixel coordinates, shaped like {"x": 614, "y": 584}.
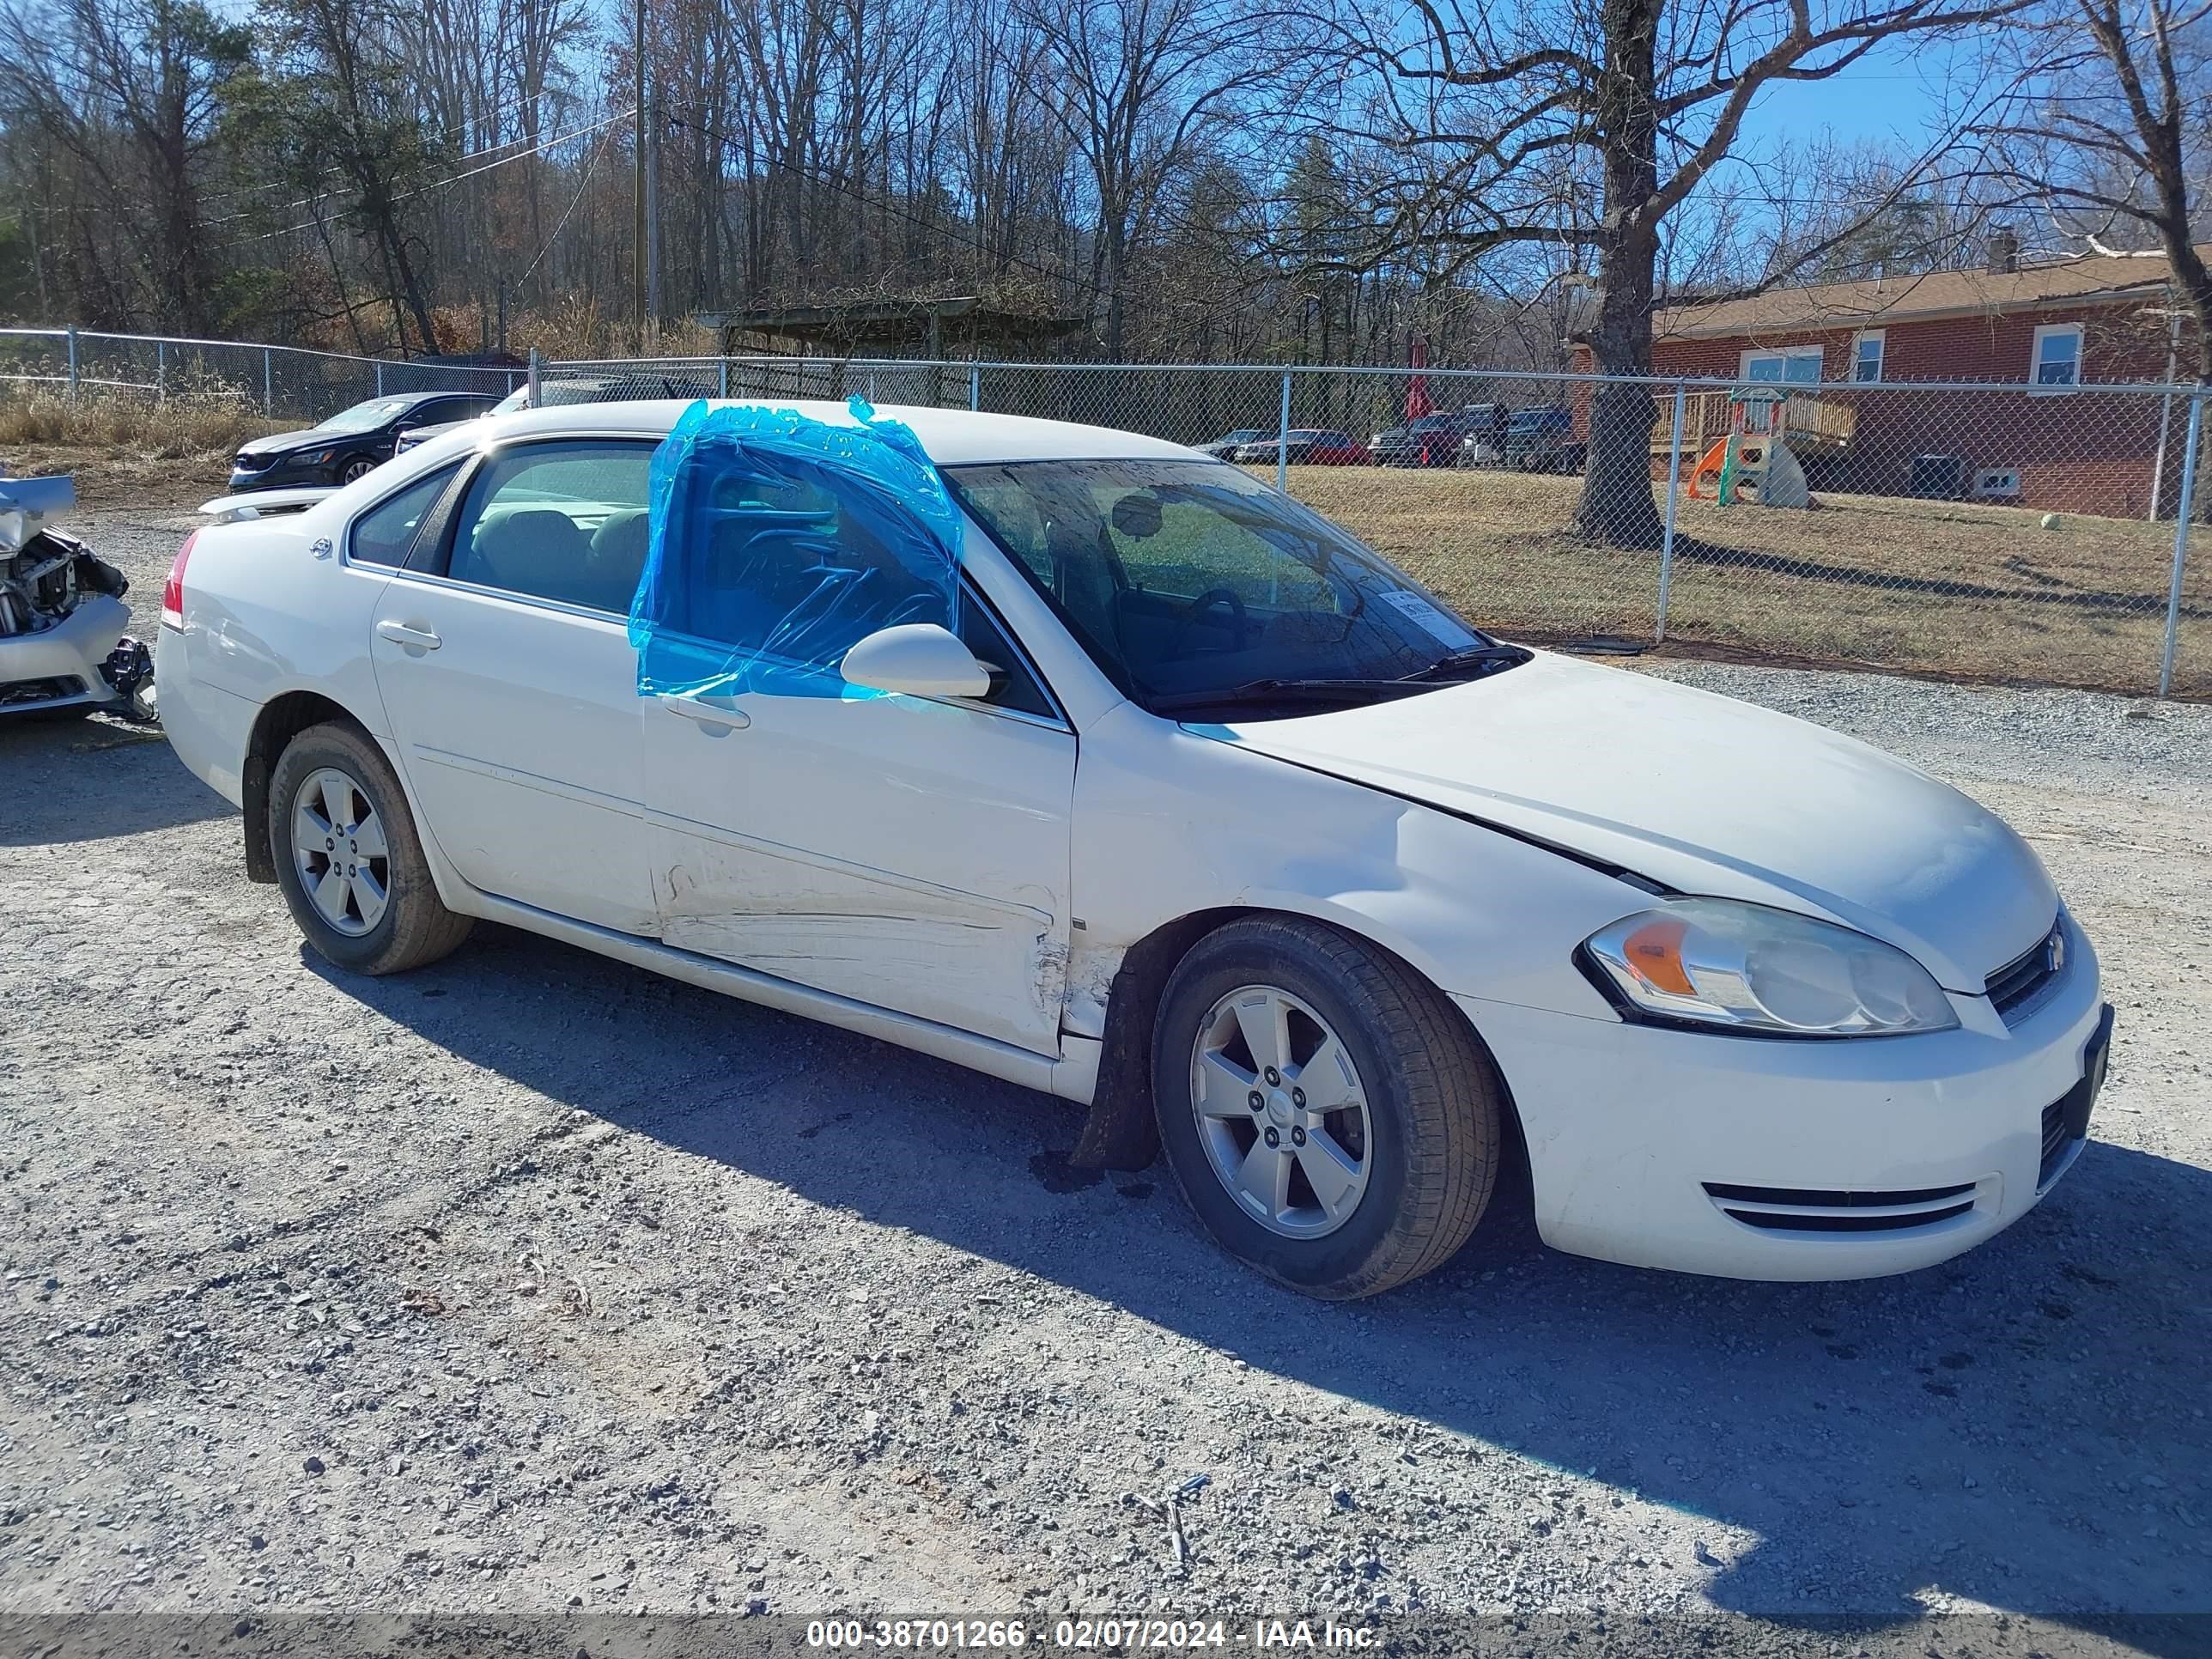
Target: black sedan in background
{"x": 349, "y": 443}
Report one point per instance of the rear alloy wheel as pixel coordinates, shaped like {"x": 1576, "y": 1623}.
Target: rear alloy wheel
{"x": 1328, "y": 1113}
{"x": 349, "y": 861}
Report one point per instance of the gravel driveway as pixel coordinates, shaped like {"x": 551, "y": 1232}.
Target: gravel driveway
{"x": 530, "y": 1282}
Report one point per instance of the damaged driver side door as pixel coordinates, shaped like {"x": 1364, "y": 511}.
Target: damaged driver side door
{"x": 905, "y": 852}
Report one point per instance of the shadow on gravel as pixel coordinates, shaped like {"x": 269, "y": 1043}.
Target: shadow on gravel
{"x": 89, "y": 779}
{"x": 2024, "y": 1426}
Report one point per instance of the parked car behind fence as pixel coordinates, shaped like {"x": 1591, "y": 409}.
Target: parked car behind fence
{"x": 1439, "y": 439}
{"x": 1543, "y": 441}
{"x": 1307, "y": 447}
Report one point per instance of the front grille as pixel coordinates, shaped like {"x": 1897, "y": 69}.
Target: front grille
{"x": 1825, "y": 1210}
{"x": 20, "y": 693}
{"x": 2016, "y": 987}
{"x": 245, "y": 461}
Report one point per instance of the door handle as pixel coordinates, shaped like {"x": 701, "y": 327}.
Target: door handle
{"x": 706, "y": 712}
{"x": 400, "y": 634}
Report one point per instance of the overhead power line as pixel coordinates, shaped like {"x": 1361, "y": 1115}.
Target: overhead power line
{"x": 442, "y": 184}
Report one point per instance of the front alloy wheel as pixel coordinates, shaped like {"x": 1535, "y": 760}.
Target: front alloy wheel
{"x": 1328, "y": 1114}
{"x": 1280, "y": 1112}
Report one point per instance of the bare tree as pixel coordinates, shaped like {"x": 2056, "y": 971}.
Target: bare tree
{"x": 1590, "y": 123}
{"x": 1141, "y": 83}
{"x": 2114, "y": 136}
{"x": 129, "y": 91}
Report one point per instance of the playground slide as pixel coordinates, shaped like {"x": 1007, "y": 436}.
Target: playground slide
{"x": 1781, "y": 482}
{"x": 1708, "y": 466}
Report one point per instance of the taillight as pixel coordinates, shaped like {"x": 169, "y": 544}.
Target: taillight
{"x": 173, "y": 591}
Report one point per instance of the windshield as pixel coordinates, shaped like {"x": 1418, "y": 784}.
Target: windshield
{"x": 518, "y": 398}
{"x": 366, "y": 417}
{"x": 1189, "y": 582}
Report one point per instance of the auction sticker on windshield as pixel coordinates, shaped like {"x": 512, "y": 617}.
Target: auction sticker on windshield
{"x": 1449, "y": 629}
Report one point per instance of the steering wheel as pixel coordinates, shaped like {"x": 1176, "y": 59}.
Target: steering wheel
{"x": 1197, "y": 608}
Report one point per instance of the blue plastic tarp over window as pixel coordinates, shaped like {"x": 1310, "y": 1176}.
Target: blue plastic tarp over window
{"x": 778, "y": 542}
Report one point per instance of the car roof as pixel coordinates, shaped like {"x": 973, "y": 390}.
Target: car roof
{"x": 951, "y": 437}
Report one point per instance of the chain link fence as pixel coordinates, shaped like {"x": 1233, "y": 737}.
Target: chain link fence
{"x": 1974, "y": 531}
{"x": 276, "y": 382}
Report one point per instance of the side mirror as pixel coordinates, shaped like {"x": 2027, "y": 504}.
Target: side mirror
{"x": 919, "y": 659}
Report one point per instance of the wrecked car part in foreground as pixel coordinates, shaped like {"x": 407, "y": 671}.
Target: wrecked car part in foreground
{"x": 1095, "y": 765}
{"x": 62, "y": 614}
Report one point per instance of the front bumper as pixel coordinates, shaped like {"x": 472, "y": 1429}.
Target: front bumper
{"x": 59, "y": 668}
{"x": 283, "y": 473}
{"x": 1844, "y": 1159}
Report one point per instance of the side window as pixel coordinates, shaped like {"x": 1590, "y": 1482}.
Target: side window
{"x": 1012, "y": 686}
{"x": 561, "y": 521}
{"x": 790, "y": 570}
{"x": 384, "y": 534}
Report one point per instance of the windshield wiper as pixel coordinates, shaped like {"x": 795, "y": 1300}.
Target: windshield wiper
{"x": 1475, "y": 660}
{"x": 1482, "y": 656}
{"x": 1288, "y": 690}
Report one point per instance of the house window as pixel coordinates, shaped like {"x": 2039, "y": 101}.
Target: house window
{"x": 2057, "y": 358}
{"x": 1866, "y": 358}
{"x": 1789, "y": 365}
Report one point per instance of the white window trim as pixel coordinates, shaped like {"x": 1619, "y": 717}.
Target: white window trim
{"x": 2047, "y": 331}
{"x": 1785, "y": 352}
{"x": 1881, "y": 338}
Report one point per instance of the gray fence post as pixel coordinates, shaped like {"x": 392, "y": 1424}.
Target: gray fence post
{"x": 379, "y": 377}
{"x": 72, "y": 362}
{"x": 2183, "y": 513}
{"x": 536, "y": 378}
{"x": 1283, "y": 442}
{"x": 722, "y": 377}
{"x": 268, "y": 384}
{"x": 974, "y": 388}
{"x": 1673, "y": 492}
{"x": 160, "y": 371}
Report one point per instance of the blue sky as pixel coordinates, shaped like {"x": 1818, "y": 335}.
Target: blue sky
{"x": 1894, "y": 94}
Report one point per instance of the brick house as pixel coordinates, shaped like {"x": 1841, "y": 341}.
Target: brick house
{"x": 2045, "y": 335}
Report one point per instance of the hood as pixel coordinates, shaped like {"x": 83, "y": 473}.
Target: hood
{"x": 285, "y": 443}
{"x": 1704, "y": 793}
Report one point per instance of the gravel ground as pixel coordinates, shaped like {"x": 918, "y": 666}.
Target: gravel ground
{"x": 530, "y": 1282}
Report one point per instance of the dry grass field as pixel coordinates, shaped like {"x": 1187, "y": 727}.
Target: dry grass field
{"x": 105, "y": 427}
{"x": 1937, "y": 587}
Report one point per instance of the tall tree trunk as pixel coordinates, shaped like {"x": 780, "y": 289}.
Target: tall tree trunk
{"x": 1617, "y": 508}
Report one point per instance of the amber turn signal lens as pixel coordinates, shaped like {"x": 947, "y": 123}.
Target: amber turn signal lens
{"x": 1654, "y": 951}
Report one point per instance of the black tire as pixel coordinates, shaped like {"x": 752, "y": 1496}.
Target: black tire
{"x": 1433, "y": 1104}
{"x": 416, "y": 927}
{"x": 355, "y": 466}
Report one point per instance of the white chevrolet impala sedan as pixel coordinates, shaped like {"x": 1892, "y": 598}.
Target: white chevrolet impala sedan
{"x": 1183, "y": 805}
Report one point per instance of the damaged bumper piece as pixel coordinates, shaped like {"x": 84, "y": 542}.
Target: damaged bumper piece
{"x": 62, "y": 614}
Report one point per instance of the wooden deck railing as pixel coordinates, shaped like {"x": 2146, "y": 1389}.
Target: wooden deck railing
{"x": 1813, "y": 424}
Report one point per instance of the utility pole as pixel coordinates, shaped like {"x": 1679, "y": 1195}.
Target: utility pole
{"x": 653, "y": 214}
{"x": 637, "y": 191}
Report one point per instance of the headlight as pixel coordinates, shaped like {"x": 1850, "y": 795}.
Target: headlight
{"x": 1750, "y": 969}
{"x": 324, "y": 457}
